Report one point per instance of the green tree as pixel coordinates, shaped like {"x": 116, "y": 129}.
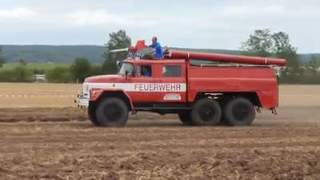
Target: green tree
{"x": 80, "y": 69}
{"x": 22, "y": 62}
{"x": 260, "y": 43}
{"x": 283, "y": 49}
{"x": 266, "y": 43}
{"x": 314, "y": 65}
{"x": 96, "y": 70}
{"x": 2, "y": 60}
{"x": 59, "y": 75}
{"x": 7, "y": 76}
{"x": 117, "y": 40}
{"x": 38, "y": 71}
{"x": 22, "y": 74}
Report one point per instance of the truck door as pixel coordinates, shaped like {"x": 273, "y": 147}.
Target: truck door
{"x": 158, "y": 83}
{"x": 145, "y": 83}
{"x": 173, "y": 78}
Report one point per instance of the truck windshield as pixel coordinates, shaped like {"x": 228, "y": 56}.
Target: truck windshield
{"x": 126, "y": 67}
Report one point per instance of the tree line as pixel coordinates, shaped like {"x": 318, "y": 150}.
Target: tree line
{"x": 262, "y": 42}
{"x": 77, "y": 71}
{"x": 266, "y": 43}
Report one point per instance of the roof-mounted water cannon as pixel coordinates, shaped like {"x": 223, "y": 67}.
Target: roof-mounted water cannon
{"x": 134, "y": 51}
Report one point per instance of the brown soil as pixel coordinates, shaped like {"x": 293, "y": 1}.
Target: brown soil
{"x": 62, "y": 144}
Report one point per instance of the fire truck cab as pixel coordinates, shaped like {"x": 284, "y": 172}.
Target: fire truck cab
{"x": 200, "y": 92}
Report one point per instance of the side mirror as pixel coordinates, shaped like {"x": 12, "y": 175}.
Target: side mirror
{"x": 118, "y": 64}
{"x": 126, "y": 73}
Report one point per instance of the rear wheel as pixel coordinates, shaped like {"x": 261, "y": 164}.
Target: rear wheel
{"x": 112, "y": 112}
{"x": 239, "y": 112}
{"x": 206, "y": 112}
{"x": 185, "y": 118}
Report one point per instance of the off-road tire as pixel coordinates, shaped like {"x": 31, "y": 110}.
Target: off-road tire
{"x": 206, "y": 112}
{"x": 112, "y": 112}
{"x": 239, "y": 112}
{"x": 92, "y": 115}
{"x": 185, "y": 118}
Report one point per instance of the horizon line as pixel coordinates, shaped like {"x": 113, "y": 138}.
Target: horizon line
{"x": 57, "y": 45}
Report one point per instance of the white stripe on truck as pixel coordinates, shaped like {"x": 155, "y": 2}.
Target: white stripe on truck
{"x": 138, "y": 87}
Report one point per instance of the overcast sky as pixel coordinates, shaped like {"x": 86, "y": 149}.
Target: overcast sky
{"x": 222, "y": 24}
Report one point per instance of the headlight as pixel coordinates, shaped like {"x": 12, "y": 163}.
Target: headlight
{"x": 85, "y": 90}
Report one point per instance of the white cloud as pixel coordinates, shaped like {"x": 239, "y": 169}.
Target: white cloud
{"x": 94, "y": 17}
{"x": 253, "y": 10}
{"x": 100, "y": 17}
{"x": 17, "y": 13}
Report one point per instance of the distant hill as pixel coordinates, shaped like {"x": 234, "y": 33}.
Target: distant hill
{"x": 66, "y": 54}
{"x": 223, "y": 51}
{"x": 305, "y": 58}
{"x": 56, "y": 54}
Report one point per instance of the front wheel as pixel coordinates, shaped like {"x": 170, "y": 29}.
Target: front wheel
{"x": 92, "y": 114}
{"x": 185, "y": 118}
{"x": 112, "y": 112}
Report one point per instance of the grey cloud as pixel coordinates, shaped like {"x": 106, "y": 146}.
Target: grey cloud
{"x": 205, "y": 24}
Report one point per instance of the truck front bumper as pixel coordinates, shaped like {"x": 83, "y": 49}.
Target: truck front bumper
{"x": 82, "y": 102}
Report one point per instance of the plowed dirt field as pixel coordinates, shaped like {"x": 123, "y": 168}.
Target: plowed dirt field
{"x": 59, "y": 143}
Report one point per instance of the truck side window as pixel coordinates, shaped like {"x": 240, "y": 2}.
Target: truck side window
{"x": 198, "y": 62}
{"x": 171, "y": 71}
{"x": 126, "y": 68}
{"x": 146, "y": 70}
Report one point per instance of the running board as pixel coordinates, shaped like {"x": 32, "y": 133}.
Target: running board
{"x": 162, "y": 107}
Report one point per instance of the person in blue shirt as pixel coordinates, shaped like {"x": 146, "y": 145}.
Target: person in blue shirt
{"x": 158, "y": 53}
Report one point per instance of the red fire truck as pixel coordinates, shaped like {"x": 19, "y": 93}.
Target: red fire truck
{"x": 201, "y": 88}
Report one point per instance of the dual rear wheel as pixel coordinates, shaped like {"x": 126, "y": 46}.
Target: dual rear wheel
{"x": 238, "y": 111}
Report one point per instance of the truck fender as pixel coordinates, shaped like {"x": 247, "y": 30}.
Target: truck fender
{"x": 95, "y": 95}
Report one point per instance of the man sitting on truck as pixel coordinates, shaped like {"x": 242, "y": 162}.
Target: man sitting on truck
{"x": 158, "y": 54}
